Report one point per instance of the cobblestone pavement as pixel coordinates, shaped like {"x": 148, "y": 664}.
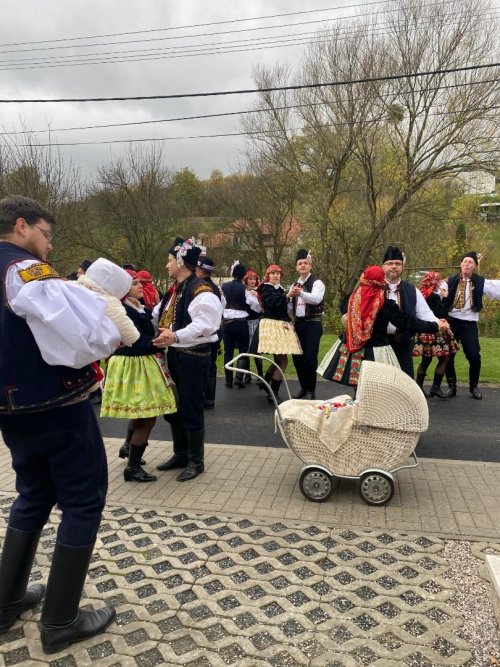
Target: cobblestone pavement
{"x": 204, "y": 590}
{"x": 277, "y": 581}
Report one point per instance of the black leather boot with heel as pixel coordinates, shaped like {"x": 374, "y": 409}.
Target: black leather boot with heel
{"x": 63, "y": 623}
{"x": 133, "y": 472}
{"x": 179, "y": 458}
{"x": 196, "y": 453}
{"x": 19, "y": 548}
{"x": 436, "y": 386}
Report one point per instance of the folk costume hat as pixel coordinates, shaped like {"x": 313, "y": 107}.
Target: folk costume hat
{"x": 206, "y": 263}
{"x": 110, "y": 277}
{"x": 393, "y": 253}
{"x": 270, "y": 269}
{"x": 251, "y": 274}
{"x": 303, "y": 254}
{"x": 238, "y": 270}
{"x": 470, "y": 254}
{"x": 365, "y": 304}
{"x": 429, "y": 283}
{"x": 185, "y": 252}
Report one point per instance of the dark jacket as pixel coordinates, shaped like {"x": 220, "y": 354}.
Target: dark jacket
{"x": 274, "y": 302}
{"x": 143, "y": 345}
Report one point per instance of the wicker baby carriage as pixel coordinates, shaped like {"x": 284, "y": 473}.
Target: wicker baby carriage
{"x": 372, "y": 440}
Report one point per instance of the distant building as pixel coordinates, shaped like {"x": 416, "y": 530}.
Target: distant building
{"x": 490, "y": 212}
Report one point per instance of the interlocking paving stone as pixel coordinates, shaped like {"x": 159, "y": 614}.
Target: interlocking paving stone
{"x": 206, "y": 590}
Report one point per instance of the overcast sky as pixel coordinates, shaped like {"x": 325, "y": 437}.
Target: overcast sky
{"x": 26, "y": 23}
{"x": 31, "y": 21}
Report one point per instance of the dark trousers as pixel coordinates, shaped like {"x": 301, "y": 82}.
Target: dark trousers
{"x": 235, "y": 336}
{"x": 404, "y": 353}
{"x": 309, "y": 333}
{"x": 189, "y": 370}
{"x": 467, "y": 335}
{"x": 59, "y": 458}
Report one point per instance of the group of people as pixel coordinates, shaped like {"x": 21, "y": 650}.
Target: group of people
{"x": 161, "y": 361}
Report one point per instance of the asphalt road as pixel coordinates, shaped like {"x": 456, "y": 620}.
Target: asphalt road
{"x": 460, "y": 428}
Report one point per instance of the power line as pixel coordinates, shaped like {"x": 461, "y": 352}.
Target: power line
{"x": 232, "y": 113}
{"x": 248, "y": 91}
{"x": 206, "y": 48}
{"x": 194, "y": 25}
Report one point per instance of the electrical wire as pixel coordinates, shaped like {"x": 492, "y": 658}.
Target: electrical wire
{"x": 248, "y": 91}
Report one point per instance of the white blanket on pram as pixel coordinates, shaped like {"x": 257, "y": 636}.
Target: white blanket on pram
{"x": 331, "y": 420}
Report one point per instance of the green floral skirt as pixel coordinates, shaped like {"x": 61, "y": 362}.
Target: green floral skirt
{"x": 136, "y": 387}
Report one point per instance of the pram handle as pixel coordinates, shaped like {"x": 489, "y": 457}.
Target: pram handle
{"x": 233, "y": 366}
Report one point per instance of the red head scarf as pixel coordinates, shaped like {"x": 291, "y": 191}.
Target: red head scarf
{"x": 365, "y": 304}
{"x": 273, "y": 267}
{"x": 251, "y": 274}
{"x": 150, "y": 293}
{"x": 132, "y": 273}
{"x": 429, "y": 283}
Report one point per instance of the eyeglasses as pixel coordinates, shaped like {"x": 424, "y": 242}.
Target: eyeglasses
{"x": 47, "y": 234}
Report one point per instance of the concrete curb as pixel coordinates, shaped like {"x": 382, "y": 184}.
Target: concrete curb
{"x": 493, "y": 568}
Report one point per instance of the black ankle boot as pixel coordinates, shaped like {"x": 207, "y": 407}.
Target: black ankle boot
{"x": 133, "y": 472}
{"x": 275, "y": 386}
{"x": 63, "y": 623}
{"x": 196, "y": 451}
{"x": 124, "y": 450}
{"x": 19, "y": 548}
{"x": 436, "y": 386}
{"x": 180, "y": 446}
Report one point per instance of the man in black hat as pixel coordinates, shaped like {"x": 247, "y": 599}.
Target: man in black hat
{"x": 188, "y": 319}
{"x": 465, "y": 299}
{"x": 205, "y": 270}
{"x": 410, "y": 300}
{"x": 307, "y": 298}
{"x": 235, "y": 323}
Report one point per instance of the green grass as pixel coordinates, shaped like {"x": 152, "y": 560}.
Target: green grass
{"x": 490, "y": 352}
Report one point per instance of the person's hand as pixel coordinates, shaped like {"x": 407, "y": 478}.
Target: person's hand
{"x": 444, "y": 292}
{"x": 295, "y": 291}
{"x": 164, "y": 339}
{"x": 443, "y": 325}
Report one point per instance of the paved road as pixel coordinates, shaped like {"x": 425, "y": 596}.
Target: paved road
{"x": 460, "y": 428}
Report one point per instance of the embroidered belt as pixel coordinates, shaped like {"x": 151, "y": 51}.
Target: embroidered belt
{"x": 196, "y": 351}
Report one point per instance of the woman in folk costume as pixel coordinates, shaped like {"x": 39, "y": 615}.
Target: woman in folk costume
{"x": 150, "y": 297}
{"x": 251, "y": 280}
{"x": 428, "y": 345}
{"x": 275, "y": 333}
{"x": 138, "y": 386}
{"x": 367, "y": 316}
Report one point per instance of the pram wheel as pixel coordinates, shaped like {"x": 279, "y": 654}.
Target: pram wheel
{"x": 316, "y": 485}
{"x": 376, "y": 488}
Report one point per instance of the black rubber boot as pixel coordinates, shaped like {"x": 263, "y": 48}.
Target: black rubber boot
{"x": 209, "y": 394}
{"x": 436, "y": 386}
{"x": 420, "y": 381}
{"x": 229, "y": 378}
{"x": 133, "y": 472}
{"x": 124, "y": 451}
{"x": 63, "y": 623}
{"x": 19, "y": 548}
{"x": 179, "y": 439}
{"x": 196, "y": 449}
{"x": 275, "y": 386}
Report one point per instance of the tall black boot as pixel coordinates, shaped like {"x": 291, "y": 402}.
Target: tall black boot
{"x": 196, "y": 449}
{"x": 125, "y": 448}
{"x": 420, "y": 380}
{"x": 62, "y": 621}
{"x": 229, "y": 378}
{"x": 275, "y": 386}
{"x": 239, "y": 379}
{"x": 209, "y": 394}
{"x": 436, "y": 386}
{"x": 267, "y": 377}
{"x": 260, "y": 371}
{"x": 133, "y": 472}
{"x": 179, "y": 439}
{"x": 452, "y": 384}
{"x": 19, "y": 548}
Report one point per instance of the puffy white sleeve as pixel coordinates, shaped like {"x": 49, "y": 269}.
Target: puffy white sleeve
{"x": 69, "y": 324}
{"x": 423, "y": 312}
{"x": 205, "y": 311}
{"x": 492, "y": 289}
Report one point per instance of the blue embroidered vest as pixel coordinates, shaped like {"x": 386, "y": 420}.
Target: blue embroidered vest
{"x": 27, "y": 382}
